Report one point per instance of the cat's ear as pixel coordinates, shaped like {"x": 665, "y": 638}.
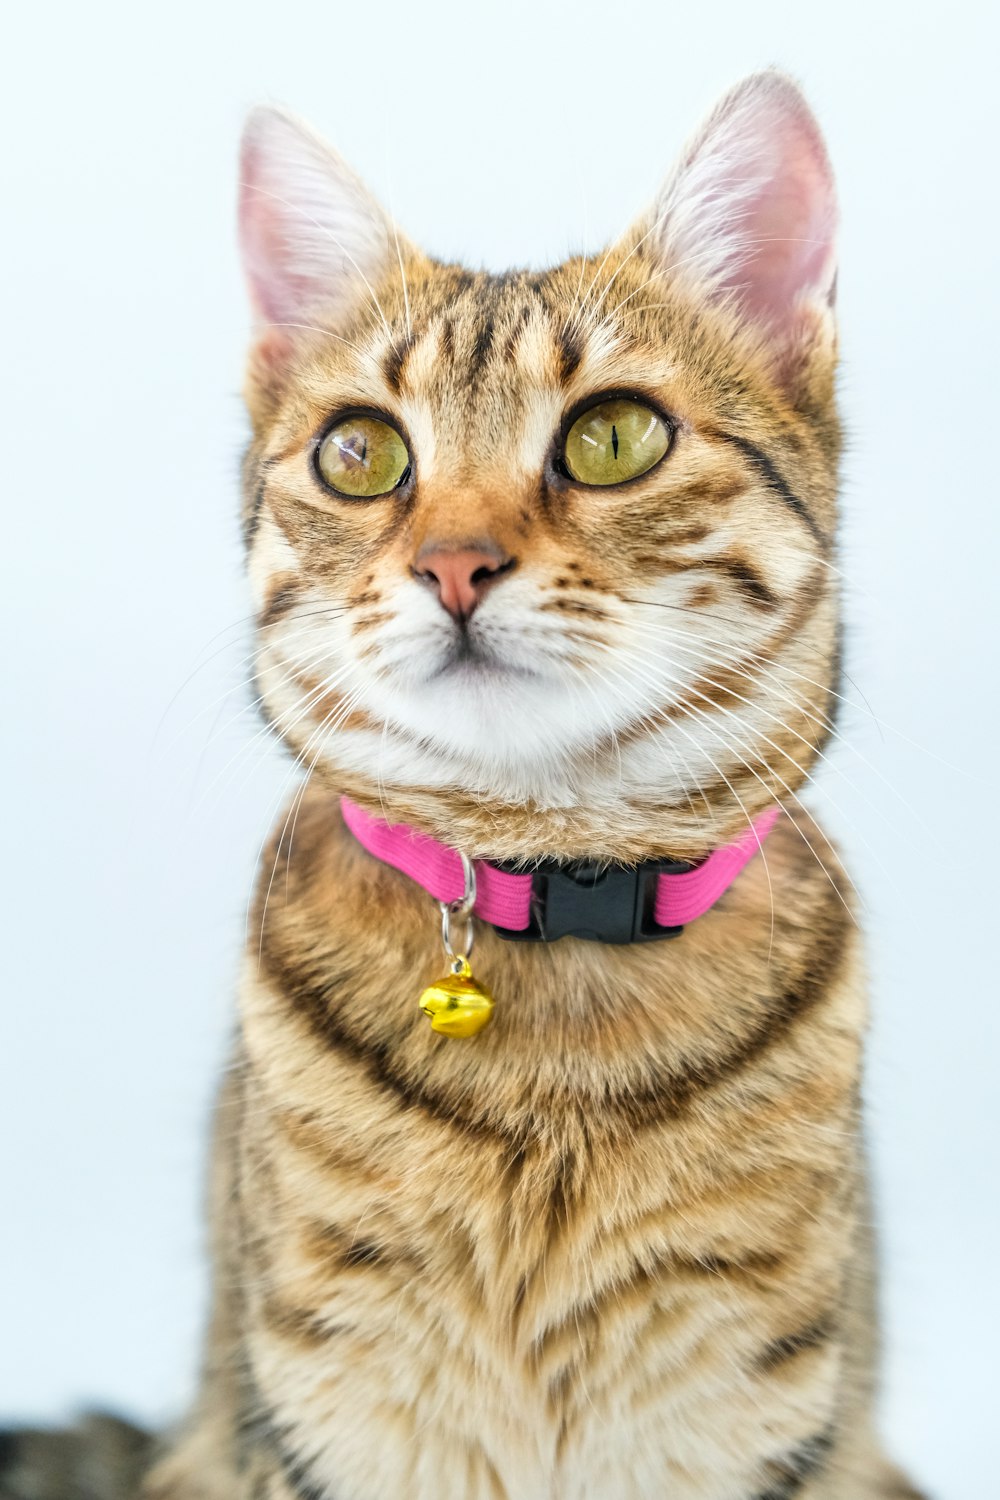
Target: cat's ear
{"x": 314, "y": 240}
{"x": 750, "y": 213}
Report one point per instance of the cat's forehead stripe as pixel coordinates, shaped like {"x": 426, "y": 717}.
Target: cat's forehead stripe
{"x": 394, "y": 360}
{"x": 474, "y": 347}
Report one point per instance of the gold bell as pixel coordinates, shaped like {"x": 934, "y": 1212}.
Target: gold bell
{"x": 458, "y": 1005}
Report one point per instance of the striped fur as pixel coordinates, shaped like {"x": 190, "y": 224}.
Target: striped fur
{"x": 617, "y": 1246}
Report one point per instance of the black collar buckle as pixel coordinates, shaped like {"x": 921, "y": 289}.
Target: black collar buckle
{"x": 598, "y": 903}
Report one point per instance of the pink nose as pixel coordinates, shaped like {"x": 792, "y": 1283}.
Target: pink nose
{"x": 461, "y": 578}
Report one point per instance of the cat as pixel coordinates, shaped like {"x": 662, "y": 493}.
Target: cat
{"x": 543, "y": 572}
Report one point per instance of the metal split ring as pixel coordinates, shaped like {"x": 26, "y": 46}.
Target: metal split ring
{"x": 461, "y": 909}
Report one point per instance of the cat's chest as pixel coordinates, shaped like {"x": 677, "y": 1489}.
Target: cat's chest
{"x": 541, "y": 1262}
{"x": 557, "y": 1323}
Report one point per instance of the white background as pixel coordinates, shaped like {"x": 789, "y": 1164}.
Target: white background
{"x": 131, "y": 822}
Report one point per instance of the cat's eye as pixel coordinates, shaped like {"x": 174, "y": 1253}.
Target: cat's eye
{"x": 615, "y": 441}
{"x": 361, "y": 457}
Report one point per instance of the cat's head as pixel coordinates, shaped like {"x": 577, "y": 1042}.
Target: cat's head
{"x": 543, "y": 561}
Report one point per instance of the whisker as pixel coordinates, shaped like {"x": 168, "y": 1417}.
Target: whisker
{"x": 790, "y": 758}
{"x": 251, "y": 657}
{"x": 769, "y": 668}
{"x": 328, "y": 724}
{"x": 201, "y": 666}
{"x": 582, "y": 682}
{"x": 326, "y": 332}
{"x": 649, "y": 721}
{"x": 722, "y": 736}
{"x": 691, "y": 712}
{"x": 279, "y": 725}
{"x": 694, "y": 614}
{"x": 821, "y": 722}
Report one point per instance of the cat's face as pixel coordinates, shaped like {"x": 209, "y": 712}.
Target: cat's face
{"x": 543, "y": 561}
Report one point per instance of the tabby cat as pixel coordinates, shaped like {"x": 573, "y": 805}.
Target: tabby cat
{"x": 543, "y": 570}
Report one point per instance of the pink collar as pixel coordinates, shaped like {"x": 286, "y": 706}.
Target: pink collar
{"x": 619, "y": 905}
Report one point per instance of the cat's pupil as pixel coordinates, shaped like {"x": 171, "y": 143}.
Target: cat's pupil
{"x": 614, "y": 439}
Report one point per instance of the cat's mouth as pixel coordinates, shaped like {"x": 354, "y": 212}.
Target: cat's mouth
{"x": 469, "y": 657}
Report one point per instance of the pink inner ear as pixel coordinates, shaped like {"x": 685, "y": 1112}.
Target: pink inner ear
{"x": 255, "y": 235}
{"x": 268, "y": 258}
{"x": 788, "y": 229}
{"x": 311, "y": 235}
{"x": 752, "y": 209}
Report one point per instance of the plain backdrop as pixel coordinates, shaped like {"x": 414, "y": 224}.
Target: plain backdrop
{"x": 136, "y": 787}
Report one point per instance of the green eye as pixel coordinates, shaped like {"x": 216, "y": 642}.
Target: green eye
{"x": 362, "y": 457}
{"x": 615, "y": 441}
